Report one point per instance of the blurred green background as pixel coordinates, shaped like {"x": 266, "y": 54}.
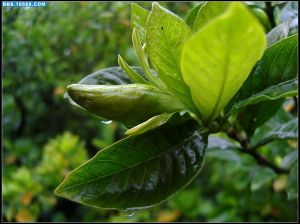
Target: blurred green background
{"x": 45, "y": 137}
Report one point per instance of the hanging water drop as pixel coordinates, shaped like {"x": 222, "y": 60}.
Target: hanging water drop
{"x": 106, "y": 122}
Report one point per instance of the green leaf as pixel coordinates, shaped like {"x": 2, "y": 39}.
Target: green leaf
{"x": 287, "y": 130}
{"x": 130, "y": 104}
{"x": 208, "y": 12}
{"x": 134, "y": 76}
{"x": 139, "y": 171}
{"x": 262, "y": 17}
{"x": 213, "y": 77}
{"x": 281, "y": 126}
{"x": 273, "y": 77}
{"x": 261, "y": 177}
{"x": 279, "y": 32}
{"x": 222, "y": 148}
{"x": 149, "y": 124}
{"x": 143, "y": 61}
{"x": 165, "y": 35}
{"x": 292, "y": 185}
{"x": 139, "y": 18}
{"x": 289, "y": 160}
{"x": 252, "y": 116}
{"x": 192, "y": 15}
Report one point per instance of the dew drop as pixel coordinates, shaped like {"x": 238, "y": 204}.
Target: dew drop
{"x": 106, "y": 122}
{"x": 127, "y": 213}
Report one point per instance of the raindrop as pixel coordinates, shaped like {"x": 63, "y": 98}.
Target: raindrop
{"x": 106, "y": 122}
{"x": 127, "y": 213}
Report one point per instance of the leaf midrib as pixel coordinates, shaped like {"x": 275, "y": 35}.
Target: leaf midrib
{"x": 134, "y": 165}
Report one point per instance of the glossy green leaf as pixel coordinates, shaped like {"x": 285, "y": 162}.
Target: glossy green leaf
{"x": 142, "y": 59}
{"x": 273, "y": 77}
{"x": 208, "y": 12}
{"x": 192, "y": 15}
{"x": 252, "y": 116}
{"x": 281, "y": 126}
{"x": 130, "y": 104}
{"x": 262, "y": 176}
{"x": 165, "y": 35}
{"x": 149, "y": 124}
{"x": 214, "y": 64}
{"x": 139, "y": 171}
{"x": 288, "y": 130}
{"x": 139, "y": 18}
{"x": 133, "y": 75}
{"x": 277, "y": 33}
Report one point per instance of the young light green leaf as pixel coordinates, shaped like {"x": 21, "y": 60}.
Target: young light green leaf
{"x": 133, "y": 75}
{"x": 279, "y": 32}
{"x": 140, "y": 171}
{"x": 217, "y": 59}
{"x": 165, "y": 35}
{"x": 130, "y": 104}
{"x": 143, "y": 61}
{"x": 192, "y": 15}
{"x": 149, "y": 124}
{"x": 208, "y": 12}
{"x": 139, "y": 18}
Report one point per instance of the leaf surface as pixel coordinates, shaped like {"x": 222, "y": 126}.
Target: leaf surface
{"x": 165, "y": 35}
{"x": 139, "y": 171}
{"x": 218, "y": 58}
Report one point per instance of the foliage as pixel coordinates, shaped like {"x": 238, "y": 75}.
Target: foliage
{"x": 144, "y": 170}
{"x": 44, "y": 52}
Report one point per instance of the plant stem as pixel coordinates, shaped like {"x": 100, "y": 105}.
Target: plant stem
{"x": 270, "y": 13}
{"x": 247, "y": 148}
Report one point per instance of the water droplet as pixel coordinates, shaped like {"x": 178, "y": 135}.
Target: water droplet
{"x": 127, "y": 213}
{"x": 106, "y": 122}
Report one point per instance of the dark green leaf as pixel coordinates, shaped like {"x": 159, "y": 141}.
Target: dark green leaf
{"x": 289, "y": 160}
{"x": 281, "y": 126}
{"x": 223, "y": 148}
{"x": 252, "y": 116}
{"x": 262, "y": 176}
{"x": 292, "y": 185}
{"x": 140, "y": 171}
{"x": 273, "y": 77}
{"x": 130, "y": 104}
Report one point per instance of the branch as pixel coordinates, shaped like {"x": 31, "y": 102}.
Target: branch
{"x": 247, "y": 148}
{"x": 270, "y": 13}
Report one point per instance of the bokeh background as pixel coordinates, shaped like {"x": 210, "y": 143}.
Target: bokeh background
{"x": 45, "y": 137}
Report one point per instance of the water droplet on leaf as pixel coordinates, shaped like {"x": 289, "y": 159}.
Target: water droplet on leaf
{"x": 106, "y": 122}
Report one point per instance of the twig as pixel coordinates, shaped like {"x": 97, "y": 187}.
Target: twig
{"x": 270, "y": 13}
{"x": 247, "y": 148}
